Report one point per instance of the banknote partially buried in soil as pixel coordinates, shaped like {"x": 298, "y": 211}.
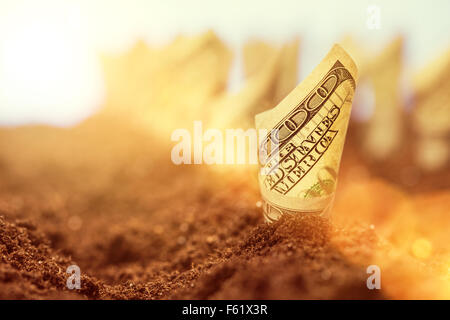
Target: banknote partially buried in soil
{"x": 301, "y": 153}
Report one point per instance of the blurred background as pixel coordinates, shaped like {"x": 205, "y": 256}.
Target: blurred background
{"x": 63, "y": 61}
{"x": 90, "y": 92}
{"x": 50, "y": 49}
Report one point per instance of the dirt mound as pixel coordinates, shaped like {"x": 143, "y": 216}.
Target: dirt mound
{"x": 108, "y": 199}
{"x": 290, "y": 258}
{"x": 29, "y": 269}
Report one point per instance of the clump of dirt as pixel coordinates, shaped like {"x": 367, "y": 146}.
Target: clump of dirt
{"x": 291, "y": 258}
{"x": 29, "y": 269}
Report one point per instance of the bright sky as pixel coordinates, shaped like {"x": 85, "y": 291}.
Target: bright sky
{"x": 49, "y": 72}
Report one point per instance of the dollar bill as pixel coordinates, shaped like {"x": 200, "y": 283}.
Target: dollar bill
{"x": 301, "y": 153}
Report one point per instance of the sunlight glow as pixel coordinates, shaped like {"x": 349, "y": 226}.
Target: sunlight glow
{"x": 48, "y": 74}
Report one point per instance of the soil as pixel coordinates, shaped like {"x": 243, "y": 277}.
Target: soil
{"x": 106, "y": 197}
